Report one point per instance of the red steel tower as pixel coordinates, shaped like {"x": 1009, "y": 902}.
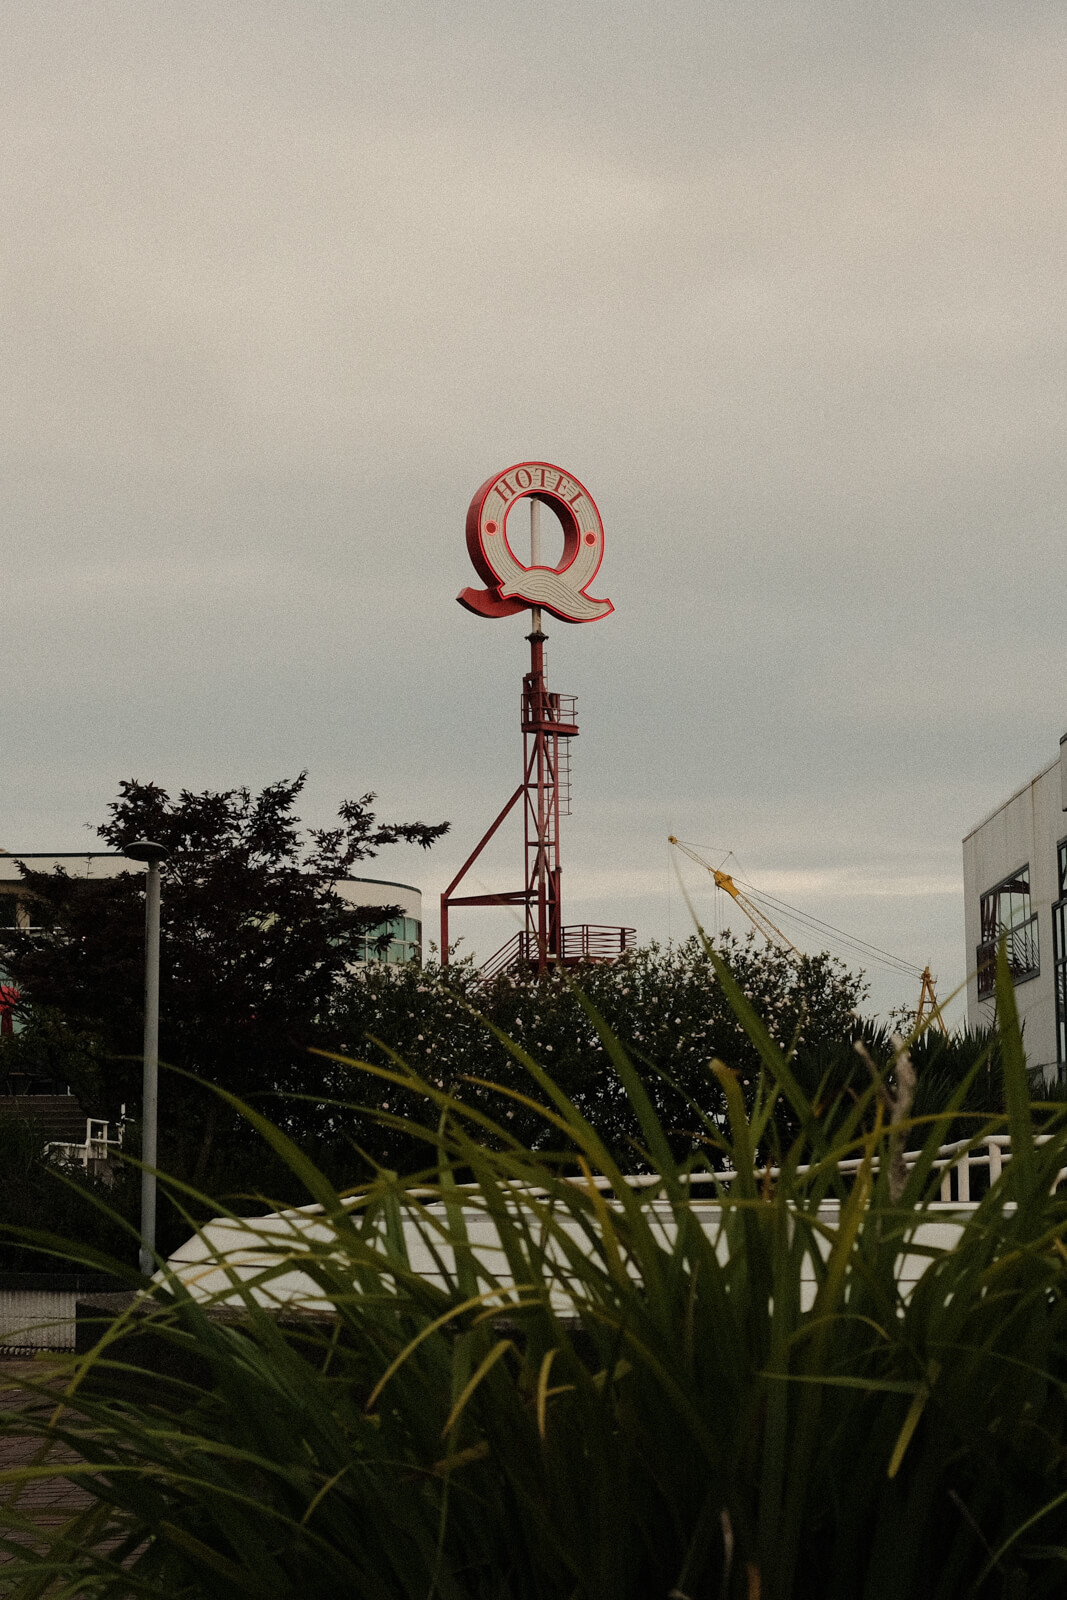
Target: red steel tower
{"x": 548, "y": 720}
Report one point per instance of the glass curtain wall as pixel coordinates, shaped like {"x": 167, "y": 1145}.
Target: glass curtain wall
{"x": 1007, "y": 913}
{"x": 394, "y": 942}
{"x": 1059, "y": 946}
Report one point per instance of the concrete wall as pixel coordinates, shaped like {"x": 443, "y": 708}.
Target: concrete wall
{"x": 36, "y": 1319}
{"x": 38, "y": 1309}
{"x": 1025, "y": 830}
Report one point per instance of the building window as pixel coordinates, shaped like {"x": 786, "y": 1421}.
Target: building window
{"x": 1059, "y": 951}
{"x": 405, "y": 942}
{"x": 1007, "y": 914}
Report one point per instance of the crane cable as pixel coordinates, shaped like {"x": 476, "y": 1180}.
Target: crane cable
{"x": 871, "y": 951}
{"x": 861, "y": 947}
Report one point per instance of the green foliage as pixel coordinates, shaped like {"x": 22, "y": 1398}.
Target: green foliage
{"x": 666, "y": 1008}
{"x": 38, "y": 1194}
{"x": 643, "y": 1399}
{"x": 50, "y": 1053}
{"x": 255, "y": 940}
{"x": 835, "y": 1073}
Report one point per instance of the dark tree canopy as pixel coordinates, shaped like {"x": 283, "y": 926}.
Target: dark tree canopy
{"x": 664, "y": 1005}
{"x": 255, "y": 939}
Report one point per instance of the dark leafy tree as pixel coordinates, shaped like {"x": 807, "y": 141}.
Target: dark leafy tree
{"x": 47, "y": 1054}
{"x": 255, "y": 940}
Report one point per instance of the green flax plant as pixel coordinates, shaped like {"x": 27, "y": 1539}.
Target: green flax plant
{"x": 654, "y": 1390}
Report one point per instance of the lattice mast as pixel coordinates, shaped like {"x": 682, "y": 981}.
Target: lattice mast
{"x": 545, "y": 753}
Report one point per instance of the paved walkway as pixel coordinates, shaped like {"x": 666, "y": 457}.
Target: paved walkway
{"x": 46, "y": 1502}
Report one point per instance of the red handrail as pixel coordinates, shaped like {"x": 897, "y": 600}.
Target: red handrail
{"x": 582, "y": 941}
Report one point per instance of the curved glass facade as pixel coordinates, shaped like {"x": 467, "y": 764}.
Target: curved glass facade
{"x": 404, "y": 942}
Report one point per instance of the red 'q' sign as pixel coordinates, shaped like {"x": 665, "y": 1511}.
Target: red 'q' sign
{"x": 513, "y": 586}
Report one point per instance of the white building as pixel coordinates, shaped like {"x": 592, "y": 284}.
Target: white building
{"x": 405, "y": 931}
{"x": 1015, "y": 885}
{"x": 16, "y": 911}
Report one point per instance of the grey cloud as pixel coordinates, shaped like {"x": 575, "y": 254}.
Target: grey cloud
{"x": 783, "y": 284}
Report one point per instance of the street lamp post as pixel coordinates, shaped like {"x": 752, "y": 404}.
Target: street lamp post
{"x": 152, "y": 854}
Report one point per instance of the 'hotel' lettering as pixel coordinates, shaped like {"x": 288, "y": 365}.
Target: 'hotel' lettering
{"x": 511, "y": 586}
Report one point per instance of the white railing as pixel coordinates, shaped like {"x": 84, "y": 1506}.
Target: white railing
{"x": 954, "y": 1161}
{"x": 93, "y": 1151}
{"x": 229, "y": 1251}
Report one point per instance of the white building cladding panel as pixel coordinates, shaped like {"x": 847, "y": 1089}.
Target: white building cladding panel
{"x": 18, "y": 911}
{"x": 75, "y": 863}
{"x": 1012, "y": 850}
{"x": 405, "y": 943}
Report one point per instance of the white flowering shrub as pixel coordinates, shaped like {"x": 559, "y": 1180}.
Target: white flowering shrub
{"x": 664, "y": 1005}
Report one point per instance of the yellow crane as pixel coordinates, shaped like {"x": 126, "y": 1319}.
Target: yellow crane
{"x": 928, "y": 1005}
{"x": 770, "y": 930}
{"x": 926, "y": 993}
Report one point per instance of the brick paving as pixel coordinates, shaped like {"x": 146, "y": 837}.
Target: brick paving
{"x": 46, "y": 1502}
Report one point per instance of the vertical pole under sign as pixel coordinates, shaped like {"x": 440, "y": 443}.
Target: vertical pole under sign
{"x": 151, "y": 854}
{"x": 535, "y": 553}
{"x": 150, "y": 1100}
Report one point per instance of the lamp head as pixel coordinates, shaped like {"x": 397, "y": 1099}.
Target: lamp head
{"x": 146, "y": 850}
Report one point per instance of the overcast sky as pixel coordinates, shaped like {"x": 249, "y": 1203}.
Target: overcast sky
{"x": 783, "y": 284}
